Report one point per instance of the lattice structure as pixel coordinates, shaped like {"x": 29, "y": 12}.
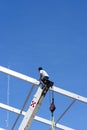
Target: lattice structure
{"x": 28, "y": 119}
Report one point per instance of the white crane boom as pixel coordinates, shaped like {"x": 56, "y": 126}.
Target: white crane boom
{"x": 34, "y": 106}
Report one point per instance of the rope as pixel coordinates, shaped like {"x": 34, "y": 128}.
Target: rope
{"x": 52, "y": 109}
{"x": 52, "y": 123}
{"x": 49, "y": 97}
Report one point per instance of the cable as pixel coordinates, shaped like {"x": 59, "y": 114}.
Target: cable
{"x": 8, "y": 93}
{"x": 53, "y": 124}
{"x": 52, "y": 109}
{"x": 49, "y": 97}
{"x": 27, "y": 98}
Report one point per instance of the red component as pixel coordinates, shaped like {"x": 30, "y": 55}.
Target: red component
{"x": 33, "y": 104}
{"x": 52, "y": 106}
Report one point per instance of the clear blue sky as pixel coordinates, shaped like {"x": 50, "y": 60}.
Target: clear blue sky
{"x": 51, "y": 34}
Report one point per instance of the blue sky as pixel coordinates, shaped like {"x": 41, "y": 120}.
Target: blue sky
{"x": 51, "y": 34}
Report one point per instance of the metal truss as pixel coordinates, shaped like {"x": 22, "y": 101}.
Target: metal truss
{"x": 58, "y": 90}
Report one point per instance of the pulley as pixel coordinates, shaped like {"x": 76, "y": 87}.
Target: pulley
{"x": 52, "y": 106}
{"x": 52, "y": 109}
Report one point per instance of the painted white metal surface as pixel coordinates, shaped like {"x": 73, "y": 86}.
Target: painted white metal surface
{"x": 12, "y": 109}
{"x": 34, "y": 106}
{"x": 36, "y": 82}
{"x": 62, "y": 127}
{"x": 2, "y": 129}
{"x": 19, "y": 75}
{"x": 69, "y": 94}
{"x": 37, "y": 118}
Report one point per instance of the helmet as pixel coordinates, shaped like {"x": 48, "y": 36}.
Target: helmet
{"x": 40, "y": 68}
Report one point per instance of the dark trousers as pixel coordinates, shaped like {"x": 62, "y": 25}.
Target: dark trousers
{"x": 45, "y": 79}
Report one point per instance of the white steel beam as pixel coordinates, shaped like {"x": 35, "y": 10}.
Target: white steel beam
{"x": 19, "y": 75}
{"x": 37, "y": 118}
{"x": 12, "y": 109}
{"x": 45, "y": 121}
{"x": 69, "y": 94}
{"x": 36, "y": 82}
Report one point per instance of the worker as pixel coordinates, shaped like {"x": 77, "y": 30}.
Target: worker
{"x": 43, "y": 75}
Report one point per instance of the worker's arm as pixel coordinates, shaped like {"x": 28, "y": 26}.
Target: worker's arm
{"x": 40, "y": 76}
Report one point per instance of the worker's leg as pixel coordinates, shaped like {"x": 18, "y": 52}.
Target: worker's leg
{"x": 45, "y": 80}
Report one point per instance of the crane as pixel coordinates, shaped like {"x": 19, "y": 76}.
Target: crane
{"x": 34, "y": 106}
{"x": 35, "y": 103}
{"x": 38, "y": 98}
